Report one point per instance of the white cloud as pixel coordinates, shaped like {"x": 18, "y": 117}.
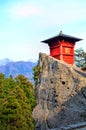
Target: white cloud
{"x": 52, "y": 13}
{"x": 61, "y": 13}
{"x": 22, "y": 10}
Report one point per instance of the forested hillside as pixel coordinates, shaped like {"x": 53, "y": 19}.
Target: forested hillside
{"x": 17, "y": 101}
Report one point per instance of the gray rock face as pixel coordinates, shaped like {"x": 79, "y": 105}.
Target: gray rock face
{"x": 60, "y": 93}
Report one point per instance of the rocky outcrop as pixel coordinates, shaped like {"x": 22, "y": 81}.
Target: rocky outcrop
{"x": 60, "y": 93}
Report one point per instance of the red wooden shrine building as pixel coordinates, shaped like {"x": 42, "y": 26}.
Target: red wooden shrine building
{"x": 62, "y": 47}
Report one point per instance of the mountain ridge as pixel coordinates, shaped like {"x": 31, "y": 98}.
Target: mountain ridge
{"x": 5, "y": 61}
{"x": 17, "y": 67}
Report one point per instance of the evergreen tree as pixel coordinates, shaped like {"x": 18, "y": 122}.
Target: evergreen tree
{"x": 17, "y": 101}
{"x": 80, "y": 58}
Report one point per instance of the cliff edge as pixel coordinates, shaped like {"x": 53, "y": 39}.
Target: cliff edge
{"x": 60, "y": 93}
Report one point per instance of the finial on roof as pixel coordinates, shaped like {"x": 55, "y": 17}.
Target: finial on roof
{"x": 60, "y": 32}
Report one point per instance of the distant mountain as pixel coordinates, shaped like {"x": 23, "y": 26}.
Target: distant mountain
{"x": 4, "y": 61}
{"x": 15, "y": 68}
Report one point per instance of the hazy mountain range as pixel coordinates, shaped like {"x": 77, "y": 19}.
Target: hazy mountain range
{"x": 9, "y": 67}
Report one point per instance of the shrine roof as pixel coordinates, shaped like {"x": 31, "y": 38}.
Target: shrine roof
{"x": 62, "y": 36}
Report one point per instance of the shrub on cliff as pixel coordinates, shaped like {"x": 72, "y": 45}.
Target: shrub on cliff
{"x": 36, "y": 71}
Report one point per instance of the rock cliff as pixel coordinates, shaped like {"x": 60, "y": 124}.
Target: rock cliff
{"x": 60, "y": 93}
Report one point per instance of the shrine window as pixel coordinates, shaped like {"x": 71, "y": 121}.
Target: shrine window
{"x": 67, "y": 50}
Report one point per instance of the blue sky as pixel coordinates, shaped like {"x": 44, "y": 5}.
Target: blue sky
{"x": 24, "y": 23}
